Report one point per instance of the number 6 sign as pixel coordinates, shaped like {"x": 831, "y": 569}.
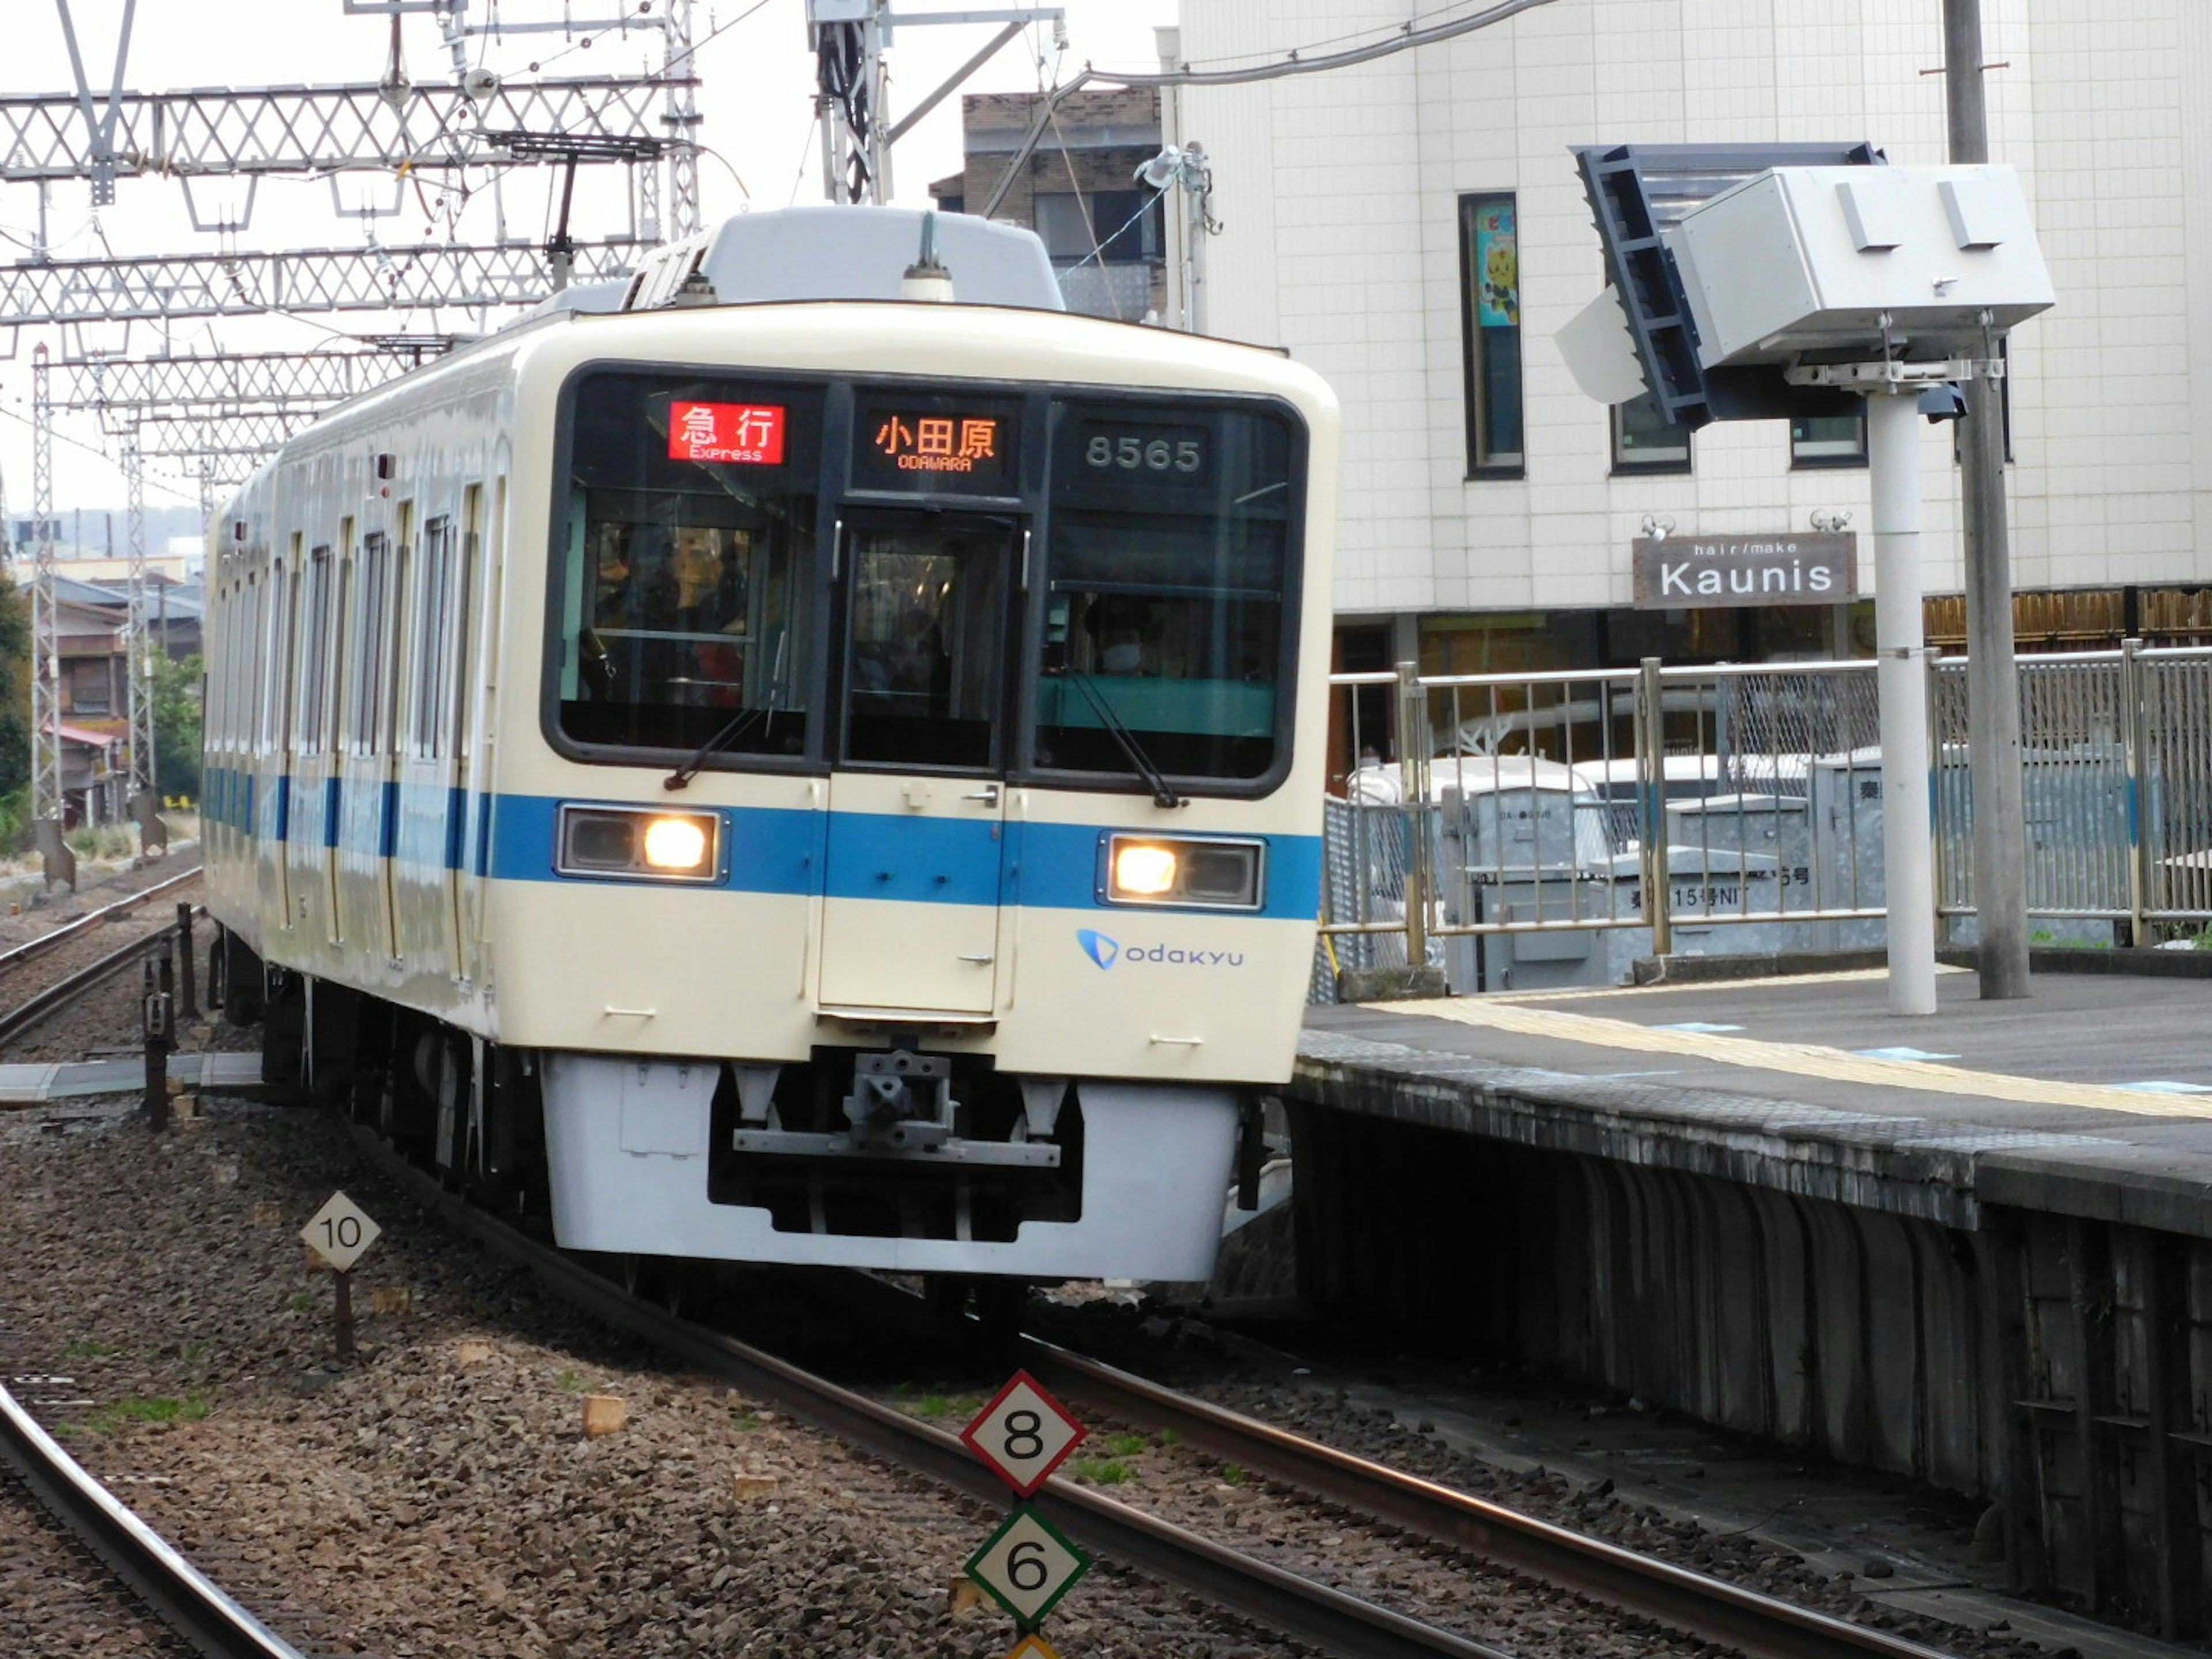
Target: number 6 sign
{"x": 1028, "y": 1565}
{"x": 1024, "y": 1434}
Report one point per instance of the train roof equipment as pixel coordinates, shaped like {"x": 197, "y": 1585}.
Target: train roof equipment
{"x": 843, "y": 253}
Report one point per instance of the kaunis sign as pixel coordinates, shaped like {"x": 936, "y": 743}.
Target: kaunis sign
{"x": 1690, "y": 571}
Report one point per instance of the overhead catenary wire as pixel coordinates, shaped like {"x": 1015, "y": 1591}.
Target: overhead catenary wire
{"x": 1382, "y": 30}
{"x": 191, "y": 499}
{"x": 457, "y": 201}
{"x": 1293, "y": 62}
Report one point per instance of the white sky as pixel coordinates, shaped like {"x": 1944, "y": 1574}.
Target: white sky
{"x": 756, "y": 100}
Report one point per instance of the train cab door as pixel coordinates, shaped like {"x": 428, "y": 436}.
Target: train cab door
{"x": 916, "y": 837}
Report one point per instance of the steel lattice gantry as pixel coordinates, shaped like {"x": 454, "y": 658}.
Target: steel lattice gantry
{"x": 253, "y": 381}
{"x": 254, "y": 434}
{"x": 175, "y": 285}
{"x": 225, "y": 131}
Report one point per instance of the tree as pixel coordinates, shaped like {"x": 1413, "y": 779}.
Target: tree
{"x": 177, "y": 692}
{"x": 15, "y": 709}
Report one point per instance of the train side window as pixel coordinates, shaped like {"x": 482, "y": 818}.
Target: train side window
{"x": 463, "y": 588}
{"x": 364, "y": 632}
{"x": 433, "y": 665}
{"x": 329, "y": 720}
{"x": 283, "y": 648}
{"x": 216, "y": 717}
{"x": 238, "y": 696}
{"x": 313, "y": 636}
{"x": 391, "y": 647}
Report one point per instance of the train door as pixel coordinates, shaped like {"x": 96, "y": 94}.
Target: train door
{"x": 475, "y": 718}
{"x": 461, "y": 673}
{"x": 917, "y": 807}
{"x": 307, "y": 824}
{"x": 389, "y": 734}
{"x": 271, "y": 803}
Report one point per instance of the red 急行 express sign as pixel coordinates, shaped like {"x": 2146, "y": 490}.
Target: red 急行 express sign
{"x": 750, "y": 433}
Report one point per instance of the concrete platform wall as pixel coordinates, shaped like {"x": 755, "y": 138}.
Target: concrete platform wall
{"x": 2061, "y": 1363}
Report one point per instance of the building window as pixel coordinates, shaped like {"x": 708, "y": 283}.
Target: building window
{"x": 91, "y": 687}
{"x": 1644, "y": 440}
{"x": 1115, "y": 226}
{"x": 1829, "y": 439}
{"x": 1490, "y": 284}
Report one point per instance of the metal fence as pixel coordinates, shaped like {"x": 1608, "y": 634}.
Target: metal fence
{"x": 1540, "y": 830}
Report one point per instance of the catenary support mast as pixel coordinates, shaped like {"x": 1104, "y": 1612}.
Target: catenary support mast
{"x": 2000, "y": 872}
{"x": 139, "y": 660}
{"x": 45, "y": 640}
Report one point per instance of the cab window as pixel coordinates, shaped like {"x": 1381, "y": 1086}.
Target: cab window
{"x": 1168, "y": 581}
{"x": 682, "y": 580}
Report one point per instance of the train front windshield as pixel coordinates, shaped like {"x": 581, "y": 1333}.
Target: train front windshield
{"x": 1080, "y": 590}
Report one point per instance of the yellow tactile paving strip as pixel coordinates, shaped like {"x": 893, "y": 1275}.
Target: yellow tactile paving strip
{"x": 1800, "y": 1057}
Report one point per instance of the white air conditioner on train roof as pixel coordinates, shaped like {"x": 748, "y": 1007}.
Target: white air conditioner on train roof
{"x": 847, "y": 253}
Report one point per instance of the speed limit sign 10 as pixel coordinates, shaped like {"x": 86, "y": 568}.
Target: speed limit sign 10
{"x": 340, "y": 1232}
{"x": 1024, "y": 1434}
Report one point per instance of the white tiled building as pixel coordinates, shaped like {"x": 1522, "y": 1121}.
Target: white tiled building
{"x": 1343, "y": 196}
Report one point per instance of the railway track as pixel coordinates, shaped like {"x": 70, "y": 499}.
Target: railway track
{"x": 1686, "y": 1602}
{"x": 1329, "y": 1619}
{"x": 186, "y": 1600}
{"x": 207, "y": 1619}
{"x": 30, "y": 950}
{"x": 50, "y": 999}
{"x": 1708, "y": 1608}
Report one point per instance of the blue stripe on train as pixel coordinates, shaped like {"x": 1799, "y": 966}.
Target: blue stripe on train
{"x": 771, "y": 849}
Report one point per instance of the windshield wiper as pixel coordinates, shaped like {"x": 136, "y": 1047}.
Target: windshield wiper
{"x": 682, "y": 777}
{"x": 1162, "y": 794}
{"x": 682, "y": 774}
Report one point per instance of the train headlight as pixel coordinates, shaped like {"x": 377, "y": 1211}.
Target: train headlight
{"x": 1143, "y": 869}
{"x": 1175, "y": 870}
{"x": 676, "y": 844}
{"x": 616, "y": 841}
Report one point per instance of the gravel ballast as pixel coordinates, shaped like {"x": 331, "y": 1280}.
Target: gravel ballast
{"x": 438, "y": 1496}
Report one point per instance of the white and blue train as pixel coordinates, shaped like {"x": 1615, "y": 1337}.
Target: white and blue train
{"x": 770, "y": 770}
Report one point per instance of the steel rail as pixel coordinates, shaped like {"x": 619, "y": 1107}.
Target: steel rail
{"x": 92, "y": 918}
{"x": 1336, "y": 1623}
{"x": 1759, "y": 1626}
{"x": 42, "y": 1003}
{"x": 182, "y": 1597}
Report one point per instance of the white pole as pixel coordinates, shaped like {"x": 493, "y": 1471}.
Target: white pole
{"x": 1901, "y": 681}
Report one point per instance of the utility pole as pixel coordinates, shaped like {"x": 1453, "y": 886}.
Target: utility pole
{"x": 849, "y": 37}
{"x": 2000, "y": 872}
{"x": 144, "y": 798}
{"x": 59, "y": 863}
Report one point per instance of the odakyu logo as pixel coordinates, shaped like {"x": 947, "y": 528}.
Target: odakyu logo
{"x": 1106, "y": 951}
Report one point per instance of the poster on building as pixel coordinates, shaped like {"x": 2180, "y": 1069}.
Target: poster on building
{"x": 1498, "y": 267}
{"x": 1690, "y": 572}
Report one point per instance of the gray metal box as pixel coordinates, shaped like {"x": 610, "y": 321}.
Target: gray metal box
{"x": 1799, "y": 260}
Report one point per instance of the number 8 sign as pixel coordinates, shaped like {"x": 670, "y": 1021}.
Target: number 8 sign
{"x": 1024, "y": 1434}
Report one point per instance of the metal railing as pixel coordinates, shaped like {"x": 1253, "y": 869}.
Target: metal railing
{"x": 1531, "y": 830}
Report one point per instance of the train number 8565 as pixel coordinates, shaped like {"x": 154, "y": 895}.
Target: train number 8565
{"x": 1134, "y": 454}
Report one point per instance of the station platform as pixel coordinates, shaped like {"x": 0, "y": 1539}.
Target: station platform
{"x": 1972, "y": 1249}
{"x": 2093, "y": 1097}
{"x": 33, "y": 1085}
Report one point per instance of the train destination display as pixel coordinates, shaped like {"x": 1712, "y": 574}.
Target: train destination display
{"x": 749, "y": 433}
{"x": 934, "y": 443}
